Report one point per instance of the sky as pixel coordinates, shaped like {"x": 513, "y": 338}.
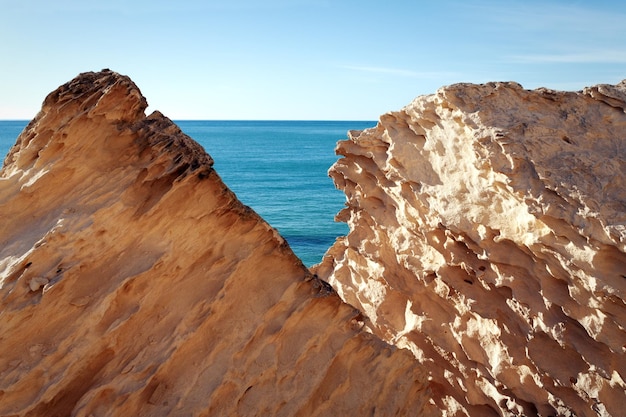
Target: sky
{"x": 304, "y": 59}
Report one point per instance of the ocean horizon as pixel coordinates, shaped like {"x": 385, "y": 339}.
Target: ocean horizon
{"x": 276, "y": 167}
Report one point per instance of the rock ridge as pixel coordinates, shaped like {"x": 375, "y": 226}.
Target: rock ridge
{"x": 133, "y": 282}
{"x": 488, "y": 236}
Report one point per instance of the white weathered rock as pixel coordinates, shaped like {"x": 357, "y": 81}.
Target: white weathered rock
{"x": 36, "y": 283}
{"x": 488, "y": 236}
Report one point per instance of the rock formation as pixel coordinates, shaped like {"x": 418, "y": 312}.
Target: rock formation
{"x": 487, "y": 236}
{"x": 134, "y": 283}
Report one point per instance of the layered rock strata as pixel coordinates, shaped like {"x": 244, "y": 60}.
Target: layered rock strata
{"x": 487, "y": 235}
{"x": 134, "y": 283}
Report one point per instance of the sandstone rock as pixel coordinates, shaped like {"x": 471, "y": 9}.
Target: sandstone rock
{"x": 487, "y": 235}
{"x": 133, "y": 282}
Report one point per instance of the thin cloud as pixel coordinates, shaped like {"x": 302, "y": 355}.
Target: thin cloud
{"x": 593, "y": 57}
{"x": 400, "y": 72}
{"x": 549, "y": 15}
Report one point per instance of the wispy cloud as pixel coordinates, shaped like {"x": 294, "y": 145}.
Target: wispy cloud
{"x": 153, "y": 6}
{"x": 589, "y": 57}
{"x": 569, "y": 17}
{"x": 400, "y": 72}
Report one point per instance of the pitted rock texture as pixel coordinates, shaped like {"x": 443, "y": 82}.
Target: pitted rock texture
{"x": 487, "y": 235}
{"x": 134, "y": 283}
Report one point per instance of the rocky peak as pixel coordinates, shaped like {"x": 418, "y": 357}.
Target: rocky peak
{"x": 133, "y": 282}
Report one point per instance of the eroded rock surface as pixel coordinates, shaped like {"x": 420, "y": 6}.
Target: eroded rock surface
{"x": 133, "y": 282}
{"x": 487, "y": 235}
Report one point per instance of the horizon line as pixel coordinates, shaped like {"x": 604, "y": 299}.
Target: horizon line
{"x": 236, "y": 120}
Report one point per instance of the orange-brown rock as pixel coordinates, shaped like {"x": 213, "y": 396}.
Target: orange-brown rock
{"x": 487, "y": 235}
{"x": 134, "y": 283}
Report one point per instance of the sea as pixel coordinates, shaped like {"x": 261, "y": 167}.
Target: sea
{"x": 278, "y": 168}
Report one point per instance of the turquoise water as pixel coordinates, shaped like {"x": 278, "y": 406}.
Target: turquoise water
{"x": 9, "y": 130}
{"x": 279, "y": 168}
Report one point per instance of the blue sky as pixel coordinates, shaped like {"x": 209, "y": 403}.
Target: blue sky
{"x": 304, "y": 59}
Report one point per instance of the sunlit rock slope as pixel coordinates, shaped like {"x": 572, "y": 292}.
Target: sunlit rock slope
{"x": 134, "y": 283}
{"x": 487, "y": 235}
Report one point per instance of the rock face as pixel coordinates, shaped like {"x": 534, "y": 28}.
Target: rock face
{"x": 487, "y": 235}
{"x": 133, "y": 282}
